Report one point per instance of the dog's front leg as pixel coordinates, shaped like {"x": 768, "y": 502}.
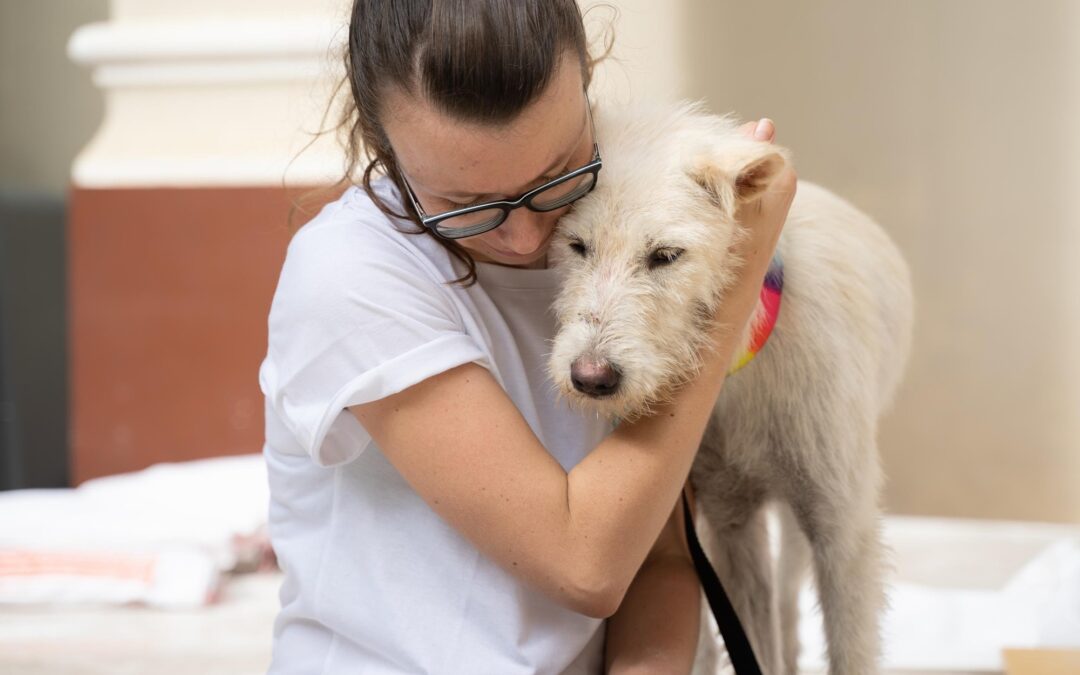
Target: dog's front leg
{"x": 739, "y": 551}
{"x": 791, "y": 571}
{"x": 843, "y": 526}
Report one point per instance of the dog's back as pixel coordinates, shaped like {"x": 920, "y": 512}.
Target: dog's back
{"x": 843, "y": 274}
{"x": 843, "y": 332}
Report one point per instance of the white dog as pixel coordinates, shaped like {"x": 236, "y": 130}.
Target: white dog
{"x": 646, "y": 262}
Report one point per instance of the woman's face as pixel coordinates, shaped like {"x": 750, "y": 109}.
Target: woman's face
{"x": 450, "y": 164}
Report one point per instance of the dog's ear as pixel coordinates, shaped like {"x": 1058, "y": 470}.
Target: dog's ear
{"x": 737, "y": 173}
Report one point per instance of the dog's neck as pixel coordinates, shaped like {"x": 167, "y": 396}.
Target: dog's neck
{"x": 761, "y": 325}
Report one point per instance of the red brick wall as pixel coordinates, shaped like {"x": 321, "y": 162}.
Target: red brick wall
{"x": 169, "y": 291}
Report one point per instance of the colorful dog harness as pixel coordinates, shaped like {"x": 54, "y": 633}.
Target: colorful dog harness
{"x": 771, "y": 291}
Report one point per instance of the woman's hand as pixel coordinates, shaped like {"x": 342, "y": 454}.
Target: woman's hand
{"x": 764, "y": 217}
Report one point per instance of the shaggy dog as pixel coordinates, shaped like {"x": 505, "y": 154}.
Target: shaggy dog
{"x": 646, "y": 261}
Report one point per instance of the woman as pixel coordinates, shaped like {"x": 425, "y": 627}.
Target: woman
{"x": 433, "y": 508}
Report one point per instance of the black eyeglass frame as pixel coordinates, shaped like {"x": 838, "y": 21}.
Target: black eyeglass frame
{"x": 508, "y": 205}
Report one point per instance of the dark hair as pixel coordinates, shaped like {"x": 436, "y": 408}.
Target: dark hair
{"x": 480, "y": 61}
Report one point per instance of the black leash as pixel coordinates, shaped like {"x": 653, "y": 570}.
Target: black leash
{"x": 738, "y": 647}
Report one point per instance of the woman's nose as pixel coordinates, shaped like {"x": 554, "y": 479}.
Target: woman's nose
{"x": 524, "y": 231}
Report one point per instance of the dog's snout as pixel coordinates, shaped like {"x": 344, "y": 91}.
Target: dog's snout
{"x": 594, "y": 377}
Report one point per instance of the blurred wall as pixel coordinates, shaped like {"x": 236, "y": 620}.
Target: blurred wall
{"x": 48, "y": 110}
{"x": 957, "y": 125}
{"x": 179, "y": 219}
{"x": 48, "y": 106}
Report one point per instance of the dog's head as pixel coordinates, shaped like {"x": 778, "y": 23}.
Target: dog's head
{"x": 645, "y": 257}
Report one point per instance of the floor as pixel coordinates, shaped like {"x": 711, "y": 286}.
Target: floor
{"x": 230, "y": 638}
{"x": 233, "y": 637}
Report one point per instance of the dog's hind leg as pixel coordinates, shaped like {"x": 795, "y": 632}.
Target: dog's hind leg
{"x": 791, "y": 571}
{"x": 739, "y": 551}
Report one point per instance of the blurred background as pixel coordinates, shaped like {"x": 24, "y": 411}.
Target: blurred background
{"x": 149, "y": 156}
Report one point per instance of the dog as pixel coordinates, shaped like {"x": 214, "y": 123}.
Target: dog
{"x": 644, "y": 262}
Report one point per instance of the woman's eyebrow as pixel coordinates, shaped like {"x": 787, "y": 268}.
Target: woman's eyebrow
{"x": 559, "y": 162}
{"x": 547, "y": 174}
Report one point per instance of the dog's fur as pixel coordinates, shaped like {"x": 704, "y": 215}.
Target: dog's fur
{"x": 797, "y": 426}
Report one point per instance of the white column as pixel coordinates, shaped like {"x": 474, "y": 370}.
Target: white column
{"x": 212, "y": 92}
{"x": 206, "y": 93}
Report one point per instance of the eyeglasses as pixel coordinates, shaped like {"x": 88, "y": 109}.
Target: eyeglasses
{"x": 480, "y": 218}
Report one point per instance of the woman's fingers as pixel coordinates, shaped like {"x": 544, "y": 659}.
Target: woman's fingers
{"x": 764, "y": 217}
{"x": 762, "y": 130}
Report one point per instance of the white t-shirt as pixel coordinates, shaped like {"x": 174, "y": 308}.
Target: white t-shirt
{"x": 375, "y": 581}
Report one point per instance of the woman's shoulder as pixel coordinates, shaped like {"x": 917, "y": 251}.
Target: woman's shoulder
{"x": 354, "y": 226}
{"x": 352, "y": 258}
{"x": 352, "y": 239}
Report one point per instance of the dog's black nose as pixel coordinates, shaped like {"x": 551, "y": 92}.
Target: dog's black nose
{"x": 595, "y": 378}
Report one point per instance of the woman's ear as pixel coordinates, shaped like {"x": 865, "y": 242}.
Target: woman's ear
{"x": 739, "y": 172}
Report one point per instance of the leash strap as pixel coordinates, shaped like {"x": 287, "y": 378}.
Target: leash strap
{"x": 738, "y": 647}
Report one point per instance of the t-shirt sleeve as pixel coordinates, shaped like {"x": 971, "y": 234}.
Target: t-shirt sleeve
{"x": 354, "y": 320}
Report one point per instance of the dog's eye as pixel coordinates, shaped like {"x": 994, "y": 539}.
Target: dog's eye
{"x": 664, "y": 256}
{"x": 578, "y": 247}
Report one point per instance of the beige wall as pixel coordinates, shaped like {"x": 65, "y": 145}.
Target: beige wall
{"x": 957, "y": 125}
{"x": 48, "y": 107}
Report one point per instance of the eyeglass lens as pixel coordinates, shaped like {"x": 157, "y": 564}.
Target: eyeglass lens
{"x": 550, "y": 199}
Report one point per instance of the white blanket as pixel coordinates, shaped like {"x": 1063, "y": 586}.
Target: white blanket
{"x": 161, "y": 536}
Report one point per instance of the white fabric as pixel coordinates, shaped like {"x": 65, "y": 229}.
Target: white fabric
{"x": 162, "y": 535}
{"x": 375, "y": 581}
{"x": 963, "y": 592}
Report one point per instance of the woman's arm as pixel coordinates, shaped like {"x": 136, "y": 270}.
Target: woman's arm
{"x": 579, "y": 537}
{"x": 460, "y": 442}
{"x": 655, "y": 630}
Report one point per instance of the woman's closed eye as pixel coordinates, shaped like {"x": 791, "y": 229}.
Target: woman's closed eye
{"x": 458, "y": 205}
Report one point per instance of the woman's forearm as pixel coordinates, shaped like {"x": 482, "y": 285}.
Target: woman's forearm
{"x": 621, "y": 492}
{"x": 655, "y": 630}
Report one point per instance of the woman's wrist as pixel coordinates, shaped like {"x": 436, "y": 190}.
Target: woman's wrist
{"x": 761, "y": 221}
